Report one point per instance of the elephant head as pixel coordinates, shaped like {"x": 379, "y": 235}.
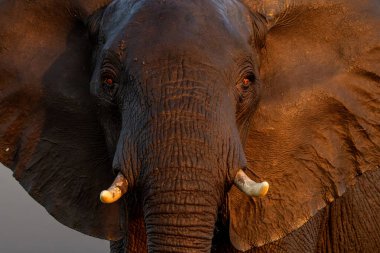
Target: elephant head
{"x": 182, "y": 104}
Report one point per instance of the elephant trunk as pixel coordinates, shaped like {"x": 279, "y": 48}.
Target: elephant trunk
{"x": 186, "y": 163}
{"x": 188, "y": 146}
{"x": 180, "y": 209}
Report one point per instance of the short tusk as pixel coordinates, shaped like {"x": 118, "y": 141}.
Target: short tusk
{"x": 250, "y": 187}
{"x": 115, "y": 191}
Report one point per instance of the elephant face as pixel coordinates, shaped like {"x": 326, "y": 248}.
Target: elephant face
{"x": 178, "y": 98}
{"x": 150, "y": 76}
{"x": 175, "y": 102}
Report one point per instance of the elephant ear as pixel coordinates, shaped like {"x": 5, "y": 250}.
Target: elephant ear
{"x": 317, "y": 127}
{"x": 49, "y": 134}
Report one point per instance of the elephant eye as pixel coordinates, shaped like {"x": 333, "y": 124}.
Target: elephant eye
{"x": 246, "y": 88}
{"x": 109, "y": 73}
{"x": 248, "y": 81}
{"x": 108, "y": 81}
{"x": 109, "y": 85}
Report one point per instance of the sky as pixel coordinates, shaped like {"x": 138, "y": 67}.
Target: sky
{"x": 26, "y": 227}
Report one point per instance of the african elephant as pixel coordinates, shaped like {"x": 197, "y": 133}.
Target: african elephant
{"x": 182, "y": 106}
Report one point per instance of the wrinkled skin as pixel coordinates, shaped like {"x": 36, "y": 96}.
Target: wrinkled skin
{"x": 180, "y": 95}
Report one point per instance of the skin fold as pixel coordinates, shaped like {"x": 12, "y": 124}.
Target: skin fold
{"x": 177, "y": 97}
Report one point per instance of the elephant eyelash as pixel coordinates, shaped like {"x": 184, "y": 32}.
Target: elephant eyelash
{"x": 111, "y": 62}
{"x": 110, "y": 70}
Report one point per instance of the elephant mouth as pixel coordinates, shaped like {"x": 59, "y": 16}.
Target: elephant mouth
{"x": 251, "y": 188}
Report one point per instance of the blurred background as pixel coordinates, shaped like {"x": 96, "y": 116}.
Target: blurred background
{"x": 26, "y": 227}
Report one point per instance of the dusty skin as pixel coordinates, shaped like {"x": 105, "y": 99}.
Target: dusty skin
{"x": 190, "y": 105}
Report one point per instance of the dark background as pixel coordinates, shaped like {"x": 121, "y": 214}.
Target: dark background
{"x": 26, "y": 227}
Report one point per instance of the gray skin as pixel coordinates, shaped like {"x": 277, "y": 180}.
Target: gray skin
{"x": 180, "y": 95}
{"x": 178, "y": 141}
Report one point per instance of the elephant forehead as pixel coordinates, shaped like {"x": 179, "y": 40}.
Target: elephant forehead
{"x": 161, "y": 26}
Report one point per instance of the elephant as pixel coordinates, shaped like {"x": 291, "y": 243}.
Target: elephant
{"x": 179, "y": 115}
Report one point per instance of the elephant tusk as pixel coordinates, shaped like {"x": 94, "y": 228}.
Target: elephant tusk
{"x": 250, "y": 187}
{"x": 115, "y": 191}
